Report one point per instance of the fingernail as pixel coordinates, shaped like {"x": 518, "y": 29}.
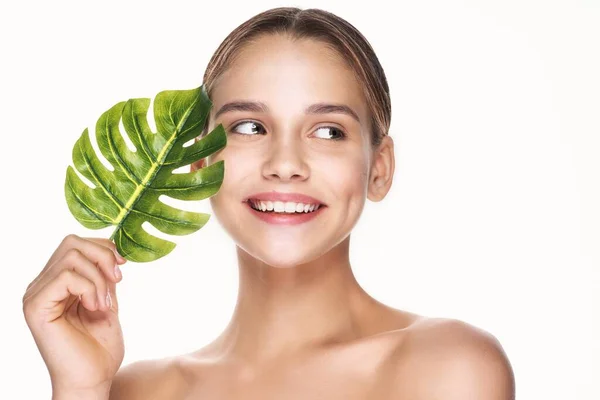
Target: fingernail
{"x": 108, "y": 299}
{"x": 118, "y": 273}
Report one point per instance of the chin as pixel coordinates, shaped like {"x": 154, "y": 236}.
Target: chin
{"x": 288, "y": 256}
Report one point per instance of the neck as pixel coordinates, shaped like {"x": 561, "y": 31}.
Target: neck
{"x": 281, "y": 311}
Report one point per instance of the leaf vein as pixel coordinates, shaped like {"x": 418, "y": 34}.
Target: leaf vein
{"x": 136, "y": 242}
{"x": 142, "y": 139}
{"x": 97, "y": 178}
{"x": 167, "y": 188}
{"x": 96, "y": 213}
{"x": 162, "y": 218}
{"x": 118, "y": 158}
{"x": 209, "y": 149}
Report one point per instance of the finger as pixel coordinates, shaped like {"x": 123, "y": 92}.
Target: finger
{"x": 79, "y": 263}
{"x": 111, "y": 245}
{"x": 111, "y": 286}
{"x": 101, "y": 255}
{"x": 120, "y": 259}
{"x": 49, "y": 303}
{"x": 99, "y": 252}
{"x": 76, "y": 261}
{"x": 67, "y": 242}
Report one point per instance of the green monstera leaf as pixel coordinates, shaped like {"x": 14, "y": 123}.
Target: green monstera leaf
{"x": 128, "y": 196}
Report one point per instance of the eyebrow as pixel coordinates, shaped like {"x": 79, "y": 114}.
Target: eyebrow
{"x": 317, "y": 108}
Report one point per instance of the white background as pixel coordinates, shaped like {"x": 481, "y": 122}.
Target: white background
{"x": 493, "y": 217}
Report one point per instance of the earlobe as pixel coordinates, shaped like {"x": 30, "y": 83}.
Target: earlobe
{"x": 377, "y": 190}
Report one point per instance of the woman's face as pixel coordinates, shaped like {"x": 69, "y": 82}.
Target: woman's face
{"x": 283, "y": 148}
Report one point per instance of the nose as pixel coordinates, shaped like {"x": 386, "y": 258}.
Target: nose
{"x": 285, "y": 159}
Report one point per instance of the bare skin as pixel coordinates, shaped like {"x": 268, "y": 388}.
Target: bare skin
{"x": 428, "y": 358}
{"x": 303, "y": 328}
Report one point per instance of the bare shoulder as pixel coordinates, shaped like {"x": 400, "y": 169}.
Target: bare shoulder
{"x": 148, "y": 379}
{"x": 451, "y": 359}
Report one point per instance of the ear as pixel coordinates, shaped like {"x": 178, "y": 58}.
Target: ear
{"x": 382, "y": 170}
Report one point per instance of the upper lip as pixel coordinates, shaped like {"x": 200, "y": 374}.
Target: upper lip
{"x": 279, "y": 196}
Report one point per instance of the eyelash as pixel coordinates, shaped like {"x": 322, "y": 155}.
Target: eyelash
{"x": 342, "y": 133}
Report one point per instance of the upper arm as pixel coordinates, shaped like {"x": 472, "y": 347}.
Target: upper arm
{"x": 457, "y": 361}
{"x": 144, "y": 379}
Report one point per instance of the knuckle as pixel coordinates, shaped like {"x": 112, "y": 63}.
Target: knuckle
{"x": 73, "y": 255}
{"x": 70, "y": 240}
{"x": 66, "y": 274}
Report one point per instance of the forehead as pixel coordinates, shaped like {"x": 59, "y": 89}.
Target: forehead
{"x": 286, "y": 73}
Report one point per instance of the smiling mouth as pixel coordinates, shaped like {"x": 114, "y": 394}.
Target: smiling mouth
{"x": 283, "y": 208}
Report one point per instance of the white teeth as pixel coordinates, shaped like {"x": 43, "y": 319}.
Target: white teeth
{"x": 288, "y": 207}
{"x": 278, "y": 206}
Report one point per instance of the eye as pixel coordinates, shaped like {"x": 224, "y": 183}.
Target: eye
{"x": 249, "y": 128}
{"x": 340, "y": 134}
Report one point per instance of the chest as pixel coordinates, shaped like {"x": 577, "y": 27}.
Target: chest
{"x": 353, "y": 375}
{"x": 360, "y": 371}
{"x": 301, "y": 387}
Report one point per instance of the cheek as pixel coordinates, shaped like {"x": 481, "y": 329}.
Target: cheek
{"x": 238, "y": 167}
{"x": 347, "y": 178}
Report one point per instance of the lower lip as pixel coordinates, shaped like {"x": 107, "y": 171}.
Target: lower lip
{"x": 285, "y": 218}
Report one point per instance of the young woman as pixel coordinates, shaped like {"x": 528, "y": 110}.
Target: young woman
{"x": 306, "y": 107}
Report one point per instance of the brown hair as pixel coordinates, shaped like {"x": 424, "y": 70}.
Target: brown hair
{"x": 320, "y": 25}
